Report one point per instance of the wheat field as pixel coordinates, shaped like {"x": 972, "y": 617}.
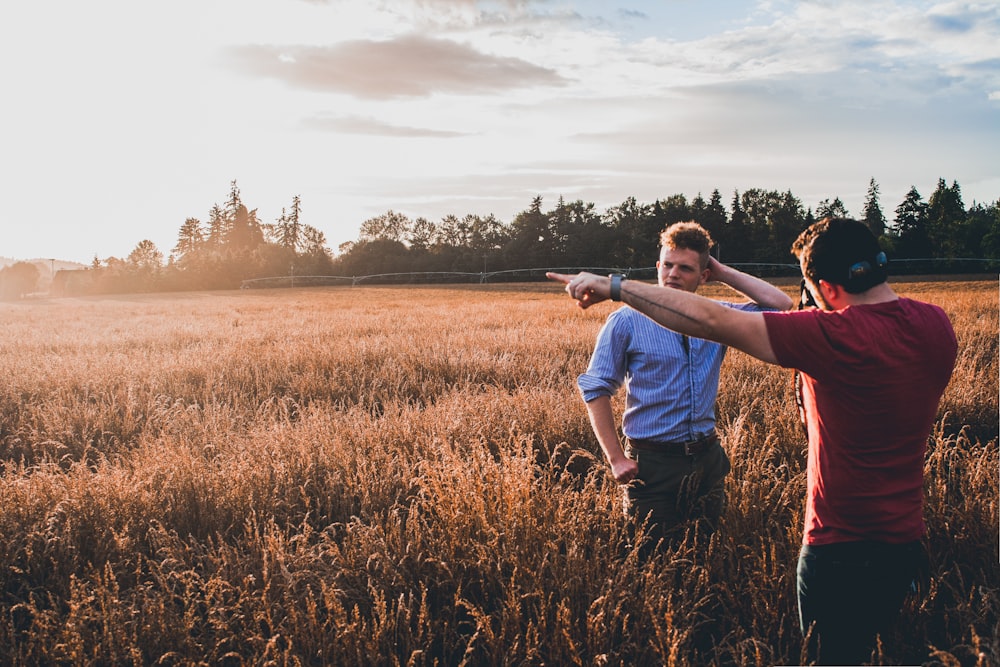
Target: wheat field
{"x": 407, "y": 476}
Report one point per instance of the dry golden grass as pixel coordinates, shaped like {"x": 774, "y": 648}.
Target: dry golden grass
{"x": 406, "y": 476}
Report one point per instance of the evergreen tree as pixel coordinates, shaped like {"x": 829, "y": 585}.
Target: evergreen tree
{"x": 945, "y": 217}
{"x": 735, "y": 237}
{"x": 712, "y": 216}
{"x": 233, "y": 202}
{"x": 218, "y": 228}
{"x": 697, "y": 208}
{"x": 190, "y": 239}
{"x": 561, "y": 229}
{"x": 245, "y": 232}
{"x": 872, "y": 214}
{"x": 910, "y": 234}
{"x": 288, "y": 229}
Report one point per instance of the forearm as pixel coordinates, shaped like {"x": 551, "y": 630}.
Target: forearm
{"x": 759, "y": 291}
{"x": 602, "y": 420}
{"x": 693, "y": 315}
{"x": 676, "y": 309}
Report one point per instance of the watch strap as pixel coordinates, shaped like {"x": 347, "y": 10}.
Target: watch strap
{"x": 616, "y": 286}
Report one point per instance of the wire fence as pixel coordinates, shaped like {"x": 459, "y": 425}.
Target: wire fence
{"x": 921, "y": 266}
{"x": 482, "y": 277}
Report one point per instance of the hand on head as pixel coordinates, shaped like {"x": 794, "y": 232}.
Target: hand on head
{"x": 713, "y": 269}
{"x": 586, "y": 288}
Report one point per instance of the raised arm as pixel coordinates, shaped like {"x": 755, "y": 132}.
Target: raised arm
{"x": 759, "y": 291}
{"x": 678, "y": 310}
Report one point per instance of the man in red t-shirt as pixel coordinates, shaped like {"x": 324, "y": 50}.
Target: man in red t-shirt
{"x": 874, "y": 367}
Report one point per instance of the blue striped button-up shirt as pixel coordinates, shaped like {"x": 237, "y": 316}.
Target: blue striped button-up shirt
{"x": 671, "y": 384}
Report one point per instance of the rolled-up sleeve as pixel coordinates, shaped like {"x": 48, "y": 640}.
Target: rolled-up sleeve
{"x": 608, "y": 364}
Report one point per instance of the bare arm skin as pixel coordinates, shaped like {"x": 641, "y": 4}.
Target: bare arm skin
{"x": 602, "y": 420}
{"x": 759, "y": 291}
{"x": 678, "y": 310}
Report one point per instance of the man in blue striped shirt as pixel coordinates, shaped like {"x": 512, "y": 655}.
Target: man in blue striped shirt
{"x": 672, "y": 464}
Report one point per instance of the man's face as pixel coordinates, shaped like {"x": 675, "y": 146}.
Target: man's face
{"x": 680, "y": 269}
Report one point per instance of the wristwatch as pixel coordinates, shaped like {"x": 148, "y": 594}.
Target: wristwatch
{"x": 616, "y": 286}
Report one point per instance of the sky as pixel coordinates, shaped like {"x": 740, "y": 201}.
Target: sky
{"x": 121, "y": 119}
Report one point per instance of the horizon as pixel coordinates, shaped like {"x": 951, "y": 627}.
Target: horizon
{"x": 127, "y": 127}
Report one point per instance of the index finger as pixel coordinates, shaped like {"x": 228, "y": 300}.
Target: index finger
{"x": 559, "y": 277}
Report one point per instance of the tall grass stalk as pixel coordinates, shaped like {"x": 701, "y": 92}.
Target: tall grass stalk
{"x": 406, "y": 476}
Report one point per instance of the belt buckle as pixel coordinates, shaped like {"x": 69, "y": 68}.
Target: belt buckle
{"x": 695, "y": 447}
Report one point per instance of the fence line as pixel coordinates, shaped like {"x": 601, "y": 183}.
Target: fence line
{"x": 481, "y": 277}
{"x": 768, "y": 269}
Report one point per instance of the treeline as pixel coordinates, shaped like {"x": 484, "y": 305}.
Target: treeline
{"x": 232, "y": 246}
{"x": 758, "y": 226}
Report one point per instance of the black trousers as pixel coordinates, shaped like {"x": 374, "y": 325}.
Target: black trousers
{"x": 672, "y": 490}
{"x": 850, "y": 592}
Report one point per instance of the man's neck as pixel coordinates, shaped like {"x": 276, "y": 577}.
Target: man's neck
{"x": 881, "y": 293}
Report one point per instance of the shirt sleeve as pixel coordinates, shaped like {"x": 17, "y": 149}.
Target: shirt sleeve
{"x": 749, "y": 307}
{"x": 798, "y": 339}
{"x": 608, "y": 364}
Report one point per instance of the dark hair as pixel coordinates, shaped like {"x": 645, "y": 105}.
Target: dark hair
{"x": 841, "y": 251}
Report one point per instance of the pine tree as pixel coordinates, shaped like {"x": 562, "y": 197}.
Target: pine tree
{"x": 736, "y": 232}
{"x": 910, "y": 229}
{"x": 190, "y": 238}
{"x": 872, "y": 215}
{"x": 218, "y": 228}
{"x": 287, "y": 231}
{"x": 713, "y": 218}
{"x": 945, "y": 217}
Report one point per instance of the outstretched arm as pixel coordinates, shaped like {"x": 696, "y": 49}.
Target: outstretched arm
{"x": 681, "y": 311}
{"x": 759, "y": 291}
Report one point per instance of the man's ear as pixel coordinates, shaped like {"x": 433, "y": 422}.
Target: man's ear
{"x": 832, "y": 292}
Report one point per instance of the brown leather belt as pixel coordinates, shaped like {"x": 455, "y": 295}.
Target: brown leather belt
{"x": 691, "y": 448}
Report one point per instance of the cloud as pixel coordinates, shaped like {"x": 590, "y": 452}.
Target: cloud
{"x": 372, "y": 126}
{"x": 962, "y": 17}
{"x": 406, "y": 66}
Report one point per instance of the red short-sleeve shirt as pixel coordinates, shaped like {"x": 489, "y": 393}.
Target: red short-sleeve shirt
{"x": 873, "y": 376}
